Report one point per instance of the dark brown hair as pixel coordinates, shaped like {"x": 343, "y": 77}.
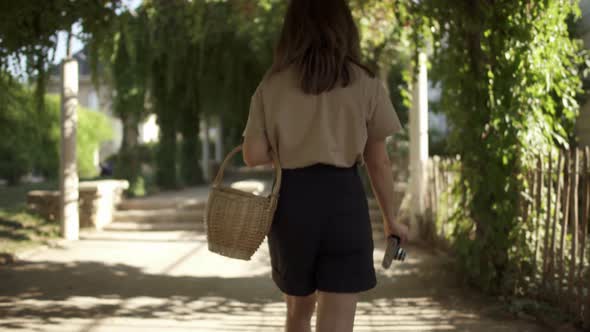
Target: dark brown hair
{"x": 321, "y": 40}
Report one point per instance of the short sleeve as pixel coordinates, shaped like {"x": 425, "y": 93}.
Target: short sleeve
{"x": 382, "y": 119}
{"x": 255, "y": 127}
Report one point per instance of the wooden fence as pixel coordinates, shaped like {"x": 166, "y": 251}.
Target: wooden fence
{"x": 554, "y": 213}
{"x": 442, "y": 201}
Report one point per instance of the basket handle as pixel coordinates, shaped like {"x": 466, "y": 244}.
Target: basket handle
{"x": 275, "y": 159}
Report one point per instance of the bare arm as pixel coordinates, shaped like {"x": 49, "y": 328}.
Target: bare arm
{"x": 379, "y": 169}
{"x": 256, "y": 151}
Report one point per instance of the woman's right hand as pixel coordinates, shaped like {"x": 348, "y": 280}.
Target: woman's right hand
{"x": 379, "y": 169}
{"x": 397, "y": 229}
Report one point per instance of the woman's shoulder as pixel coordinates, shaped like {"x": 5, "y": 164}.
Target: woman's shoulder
{"x": 364, "y": 81}
{"x": 363, "y": 74}
{"x": 274, "y": 81}
{"x": 277, "y": 79}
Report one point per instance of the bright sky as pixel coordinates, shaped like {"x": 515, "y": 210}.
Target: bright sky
{"x": 76, "y": 43}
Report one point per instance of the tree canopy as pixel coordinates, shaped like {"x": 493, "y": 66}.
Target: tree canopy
{"x": 29, "y": 30}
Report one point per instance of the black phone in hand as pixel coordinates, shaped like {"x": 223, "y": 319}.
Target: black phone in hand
{"x": 393, "y": 251}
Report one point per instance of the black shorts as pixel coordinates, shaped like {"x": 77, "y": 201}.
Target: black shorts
{"x": 321, "y": 237}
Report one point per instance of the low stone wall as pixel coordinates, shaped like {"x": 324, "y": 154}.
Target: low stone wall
{"x": 97, "y": 202}
{"x": 44, "y": 203}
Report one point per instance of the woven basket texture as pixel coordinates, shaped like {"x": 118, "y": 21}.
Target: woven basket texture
{"x": 237, "y": 222}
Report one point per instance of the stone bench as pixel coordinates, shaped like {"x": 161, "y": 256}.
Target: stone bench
{"x": 97, "y": 202}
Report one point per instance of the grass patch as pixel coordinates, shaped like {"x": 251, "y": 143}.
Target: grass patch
{"x": 537, "y": 308}
{"x": 15, "y": 197}
{"x": 20, "y": 230}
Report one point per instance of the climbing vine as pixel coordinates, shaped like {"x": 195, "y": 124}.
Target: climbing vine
{"x": 510, "y": 75}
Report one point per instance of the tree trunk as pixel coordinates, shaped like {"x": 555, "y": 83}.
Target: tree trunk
{"x": 191, "y": 173}
{"x": 166, "y": 174}
{"x": 68, "y": 168}
{"x": 128, "y": 163}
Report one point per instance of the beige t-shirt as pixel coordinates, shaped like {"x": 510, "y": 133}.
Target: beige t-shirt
{"x": 330, "y": 128}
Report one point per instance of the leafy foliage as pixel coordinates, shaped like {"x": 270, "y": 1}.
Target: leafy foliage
{"x": 510, "y": 76}
{"x": 195, "y": 73}
{"x": 31, "y": 139}
{"x": 28, "y": 33}
{"x": 93, "y": 129}
{"x": 127, "y": 58}
{"x": 19, "y": 138}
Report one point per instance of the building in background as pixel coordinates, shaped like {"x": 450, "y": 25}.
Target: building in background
{"x": 99, "y": 99}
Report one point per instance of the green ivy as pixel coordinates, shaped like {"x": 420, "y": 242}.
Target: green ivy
{"x": 510, "y": 75}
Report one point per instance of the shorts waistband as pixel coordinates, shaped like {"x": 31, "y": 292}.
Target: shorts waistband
{"x": 321, "y": 168}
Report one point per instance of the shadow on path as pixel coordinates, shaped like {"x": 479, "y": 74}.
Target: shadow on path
{"x": 419, "y": 295}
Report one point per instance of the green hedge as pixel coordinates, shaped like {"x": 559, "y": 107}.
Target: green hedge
{"x": 31, "y": 140}
{"x": 19, "y": 141}
{"x": 93, "y": 129}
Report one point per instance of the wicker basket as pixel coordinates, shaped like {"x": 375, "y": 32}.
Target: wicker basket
{"x": 237, "y": 222}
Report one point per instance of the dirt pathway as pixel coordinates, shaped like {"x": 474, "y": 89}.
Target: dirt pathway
{"x": 168, "y": 281}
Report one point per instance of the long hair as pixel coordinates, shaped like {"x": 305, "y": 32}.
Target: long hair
{"x": 320, "y": 39}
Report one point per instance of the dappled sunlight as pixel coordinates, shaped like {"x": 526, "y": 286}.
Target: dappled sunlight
{"x": 199, "y": 291}
{"x": 410, "y": 266}
{"x": 169, "y": 281}
{"x": 412, "y": 314}
{"x": 213, "y": 265}
{"x": 222, "y": 314}
{"x": 256, "y": 187}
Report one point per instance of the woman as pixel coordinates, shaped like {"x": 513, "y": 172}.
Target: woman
{"x": 323, "y": 113}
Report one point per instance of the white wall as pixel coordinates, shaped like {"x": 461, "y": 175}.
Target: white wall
{"x": 149, "y": 131}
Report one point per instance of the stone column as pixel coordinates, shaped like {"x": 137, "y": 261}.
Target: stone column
{"x": 68, "y": 170}
{"x": 419, "y": 140}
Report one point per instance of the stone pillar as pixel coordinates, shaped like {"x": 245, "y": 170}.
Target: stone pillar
{"x": 419, "y": 140}
{"x": 70, "y": 224}
{"x": 219, "y": 142}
